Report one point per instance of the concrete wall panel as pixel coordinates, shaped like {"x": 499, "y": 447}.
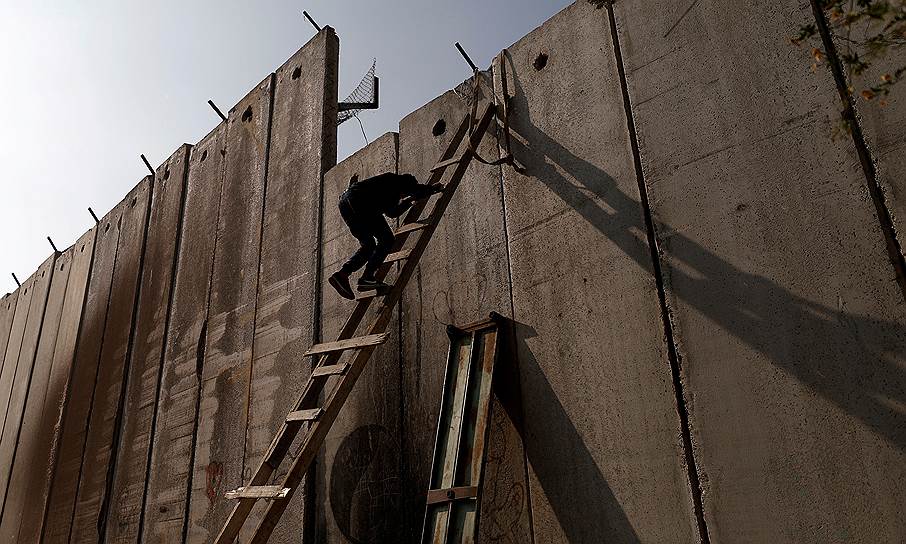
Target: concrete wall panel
{"x": 49, "y": 412}
{"x": 40, "y": 286}
{"x": 14, "y": 345}
{"x": 166, "y": 502}
{"x": 67, "y": 463}
{"x": 302, "y": 148}
{"x": 601, "y": 428}
{"x": 28, "y": 449}
{"x": 131, "y": 462}
{"x": 220, "y": 438}
{"x": 358, "y": 493}
{"x": 461, "y": 278}
{"x": 788, "y": 318}
{"x": 7, "y": 312}
{"x": 92, "y": 501}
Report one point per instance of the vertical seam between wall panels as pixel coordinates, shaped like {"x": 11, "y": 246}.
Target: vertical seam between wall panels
{"x": 201, "y": 346}
{"x": 672, "y": 351}
{"x": 28, "y": 381}
{"x": 166, "y": 333}
{"x": 894, "y": 247}
{"x": 78, "y": 480}
{"x": 512, "y": 332}
{"x": 251, "y": 372}
{"x": 59, "y": 428}
{"x": 127, "y": 364}
{"x": 400, "y": 363}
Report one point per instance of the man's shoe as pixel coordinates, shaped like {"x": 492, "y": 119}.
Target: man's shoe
{"x": 369, "y": 284}
{"x": 340, "y": 282}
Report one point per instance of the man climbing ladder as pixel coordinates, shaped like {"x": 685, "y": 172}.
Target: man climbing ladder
{"x": 363, "y": 207}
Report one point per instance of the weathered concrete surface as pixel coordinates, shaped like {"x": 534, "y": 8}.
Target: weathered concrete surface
{"x": 358, "y": 493}
{"x": 302, "y": 148}
{"x": 7, "y": 312}
{"x": 220, "y": 439}
{"x": 790, "y": 325}
{"x": 67, "y": 462}
{"x": 28, "y": 450}
{"x": 461, "y": 278}
{"x": 14, "y": 345}
{"x": 37, "y": 479}
{"x": 100, "y": 440}
{"x": 131, "y": 462}
{"x": 601, "y": 430}
{"x": 884, "y": 128}
{"x": 166, "y": 501}
{"x": 39, "y": 286}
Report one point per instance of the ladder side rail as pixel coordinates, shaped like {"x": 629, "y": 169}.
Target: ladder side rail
{"x": 287, "y": 433}
{"x": 319, "y": 429}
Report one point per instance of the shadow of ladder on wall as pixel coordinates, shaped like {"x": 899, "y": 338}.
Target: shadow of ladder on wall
{"x": 335, "y": 379}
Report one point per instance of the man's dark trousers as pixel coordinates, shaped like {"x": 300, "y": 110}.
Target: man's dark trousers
{"x": 367, "y": 226}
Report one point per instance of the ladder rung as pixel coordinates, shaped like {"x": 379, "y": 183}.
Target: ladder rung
{"x": 452, "y": 494}
{"x": 409, "y": 227}
{"x": 349, "y": 343}
{"x": 259, "y": 492}
{"x": 449, "y": 162}
{"x": 373, "y": 293}
{"x": 330, "y": 370}
{"x": 305, "y": 415}
{"x": 398, "y": 256}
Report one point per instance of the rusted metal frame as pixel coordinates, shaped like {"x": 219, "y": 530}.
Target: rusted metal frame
{"x": 318, "y": 430}
{"x": 309, "y": 397}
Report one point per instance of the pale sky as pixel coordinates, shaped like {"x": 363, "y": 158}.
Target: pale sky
{"x": 89, "y": 85}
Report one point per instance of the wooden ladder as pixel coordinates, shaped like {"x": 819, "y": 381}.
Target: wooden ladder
{"x": 308, "y": 409}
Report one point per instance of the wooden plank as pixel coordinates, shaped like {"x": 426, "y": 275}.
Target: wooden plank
{"x": 350, "y": 343}
{"x": 398, "y": 256}
{"x": 259, "y": 492}
{"x": 412, "y": 226}
{"x": 49, "y": 433}
{"x": 371, "y": 294}
{"x": 456, "y": 160}
{"x": 330, "y": 370}
{"x": 436, "y": 496}
{"x": 305, "y": 415}
{"x": 105, "y": 409}
{"x": 152, "y": 315}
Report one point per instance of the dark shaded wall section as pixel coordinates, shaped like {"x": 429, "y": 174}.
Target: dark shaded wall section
{"x": 708, "y": 342}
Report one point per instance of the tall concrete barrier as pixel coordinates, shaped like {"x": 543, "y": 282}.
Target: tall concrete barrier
{"x": 173, "y": 444}
{"x": 67, "y": 462}
{"x": 223, "y": 415}
{"x": 37, "y": 476}
{"x": 18, "y": 322}
{"x": 92, "y": 500}
{"x": 788, "y": 320}
{"x": 27, "y": 450}
{"x": 602, "y": 434}
{"x": 302, "y": 148}
{"x": 7, "y": 312}
{"x": 128, "y": 475}
{"x": 462, "y": 277}
{"x": 39, "y": 284}
{"x": 357, "y": 493}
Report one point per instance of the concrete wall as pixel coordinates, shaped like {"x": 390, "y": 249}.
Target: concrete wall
{"x": 708, "y": 331}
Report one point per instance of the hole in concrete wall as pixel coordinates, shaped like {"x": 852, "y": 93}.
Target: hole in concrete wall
{"x": 166, "y": 174}
{"x": 204, "y": 155}
{"x": 439, "y": 127}
{"x": 132, "y": 204}
{"x": 106, "y": 227}
{"x": 247, "y": 115}
{"x": 25, "y": 292}
{"x": 81, "y": 249}
{"x": 61, "y": 266}
{"x": 540, "y": 61}
{"x": 42, "y": 274}
{"x": 297, "y": 72}
{"x": 223, "y": 152}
